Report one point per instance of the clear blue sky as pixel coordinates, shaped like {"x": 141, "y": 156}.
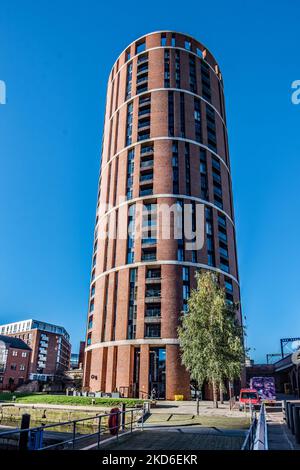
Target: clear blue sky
{"x": 55, "y": 57}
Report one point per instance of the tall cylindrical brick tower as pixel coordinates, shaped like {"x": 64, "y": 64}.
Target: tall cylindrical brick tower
{"x": 164, "y": 143}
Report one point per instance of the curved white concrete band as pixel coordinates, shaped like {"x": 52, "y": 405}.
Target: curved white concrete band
{"x": 157, "y": 196}
{"x": 181, "y": 139}
{"x": 133, "y": 342}
{"x": 180, "y": 90}
{"x": 163, "y": 47}
{"x": 162, "y": 262}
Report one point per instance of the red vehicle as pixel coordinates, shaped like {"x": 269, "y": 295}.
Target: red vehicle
{"x": 248, "y": 396}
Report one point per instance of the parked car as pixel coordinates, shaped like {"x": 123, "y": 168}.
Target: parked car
{"x": 248, "y": 396}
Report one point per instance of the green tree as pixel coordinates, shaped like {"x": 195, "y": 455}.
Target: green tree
{"x": 211, "y": 338}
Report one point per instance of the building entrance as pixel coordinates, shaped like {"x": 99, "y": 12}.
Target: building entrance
{"x": 157, "y": 373}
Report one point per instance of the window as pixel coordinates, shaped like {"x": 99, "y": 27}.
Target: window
{"x": 153, "y": 273}
{"x": 185, "y": 287}
{"x": 192, "y": 77}
{"x": 224, "y": 264}
{"x": 128, "y": 81}
{"x": 153, "y": 311}
{"x": 209, "y": 237}
{"x": 171, "y": 113}
{"x": 24, "y": 354}
{"x": 197, "y": 117}
{"x": 228, "y": 284}
{"x": 132, "y": 308}
{"x": 130, "y": 171}
{"x": 15, "y": 353}
{"x": 187, "y": 169}
{"x": 89, "y": 339}
{"x": 127, "y": 54}
{"x": 93, "y": 290}
{"x": 130, "y": 236}
{"x": 182, "y": 115}
{"x": 177, "y": 69}
{"x": 203, "y": 175}
{"x": 173, "y": 40}
{"x": 205, "y": 80}
{"x": 129, "y": 124}
{"x": 167, "y": 69}
{"x": 175, "y": 167}
{"x": 140, "y": 47}
{"x": 187, "y": 45}
{"x": 22, "y": 367}
{"x": 163, "y": 40}
{"x": 152, "y": 330}
{"x": 211, "y": 128}
{"x": 92, "y": 305}
{"x": 13, "y": 366}
{"x": 90, "y": 323}
{"x": 199, "y": 52}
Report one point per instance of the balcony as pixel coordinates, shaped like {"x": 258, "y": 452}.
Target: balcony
{"x": 147, "y": 150}
{"x": 142, "y": 59}
{"x": 149, "y": 256}
{"x": 148, "y": 242}
{"x": 146, "y": 165}
{"x": 146, "y": 191}
{"x": 146, "y": 178}
{"x": 142, "y": 79}
{"x": 145, "y": 124}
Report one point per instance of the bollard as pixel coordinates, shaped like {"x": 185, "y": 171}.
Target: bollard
{"x": 25, "y": 423}
{"x": 289, "y": 415}
{"x": 123, "y": 416}
{"x": 292, "y": 423}
{"x": 284, "y": 410}
{"x": 296, "y": 416}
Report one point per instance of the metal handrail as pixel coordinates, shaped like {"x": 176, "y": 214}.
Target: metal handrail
{"x": 101, "y": 429}
{"x": 250, "y": 436}
{"x": 261, "y": 437}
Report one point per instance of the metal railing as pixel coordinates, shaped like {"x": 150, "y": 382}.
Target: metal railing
{"x": 261, "y": 437}
{"x": 257, "y": 435}
{"x": 250, "y": 436}
{"x": 36, "y": 437}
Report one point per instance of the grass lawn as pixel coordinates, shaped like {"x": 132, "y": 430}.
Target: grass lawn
{"x": 66, "y": 400}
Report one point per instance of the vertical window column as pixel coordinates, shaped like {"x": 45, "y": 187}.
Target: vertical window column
{"x": 131, "y": 233}
{"x": 175, "y": 167}
{"x": 209, "y": 237}
{"x": 128, "y": 81}
{"x": 132, "y": 307}
{"x": 187, "y": 169}
{"x": 203, "y": 175}
{"x": 129, "y": 124}
{"x": 177, "y": 68}
{"x": 193, "y": 80}
{"x": 171, "y": 113}
{"x": 167, "y": 68}
{"x": 185, "y": 287}
{"x": 197, "y": 117}
{"x": 130, "y": 172}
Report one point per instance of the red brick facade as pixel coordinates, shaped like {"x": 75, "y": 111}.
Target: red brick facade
{"x": 14, "y": 363}
{"x": 164, "y": 142}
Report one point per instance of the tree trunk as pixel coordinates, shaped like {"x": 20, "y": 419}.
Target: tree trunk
{"x": 221, "y": 393}
{"x": 215, "y": 394}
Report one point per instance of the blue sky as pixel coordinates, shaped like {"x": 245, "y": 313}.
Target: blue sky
{"x": 55, "y": 58}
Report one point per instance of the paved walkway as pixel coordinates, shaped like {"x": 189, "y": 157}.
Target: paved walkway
{"x": 178, "y": 439}
{"x": 279, "y": 435}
